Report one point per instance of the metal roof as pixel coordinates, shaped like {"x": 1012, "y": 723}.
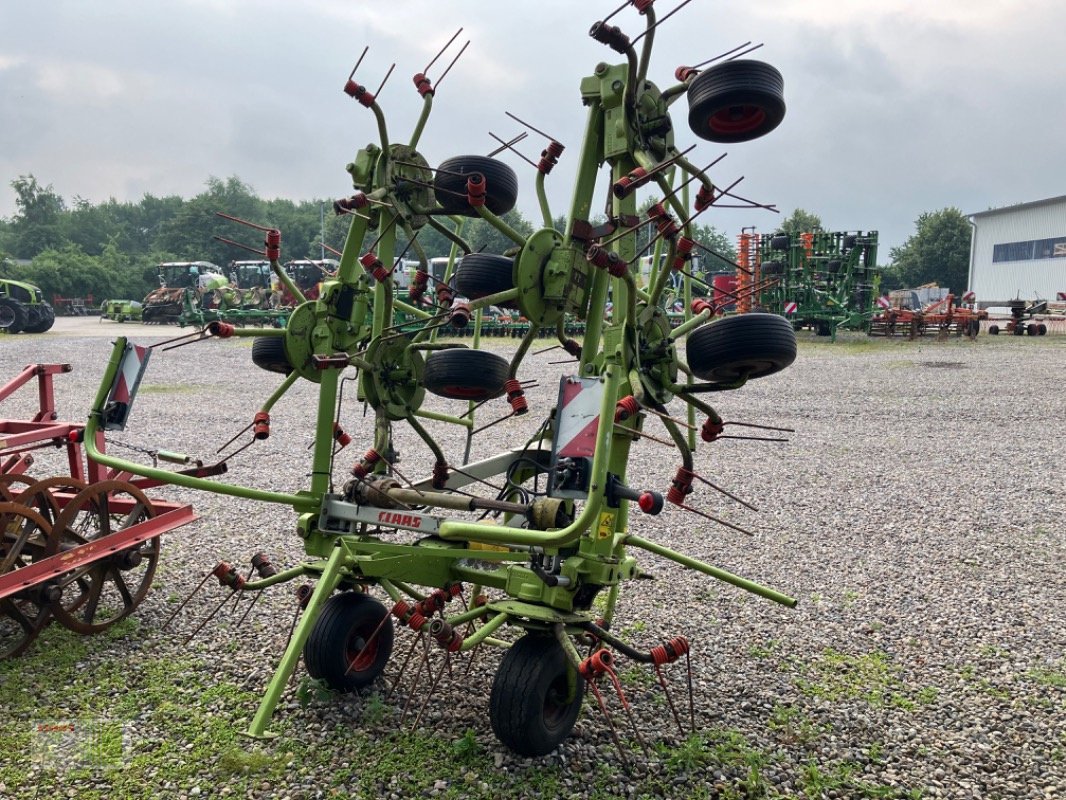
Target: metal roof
{"x": 1019, "y": 206}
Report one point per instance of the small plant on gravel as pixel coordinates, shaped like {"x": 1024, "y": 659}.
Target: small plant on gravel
{"x": 374, "y": 709}
{"x": 927, "y": 695}
{"x": 311, "y": 689}
{"x": 841, "y": 780}
{"x": 792, "y": 725}
{"x": 763, "y": 651}
{"x": 638, "y": 675}
{"x": 466, "y": 748}
{"x": 872, "y": 677}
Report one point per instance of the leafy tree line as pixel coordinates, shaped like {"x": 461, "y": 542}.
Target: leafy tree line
{"x": 110, "y": 249}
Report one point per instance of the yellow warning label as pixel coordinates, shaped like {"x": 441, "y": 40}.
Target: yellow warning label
{"x": 606, "y": 527}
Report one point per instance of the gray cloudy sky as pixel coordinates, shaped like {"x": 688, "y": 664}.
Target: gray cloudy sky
{"x": 894, "y": 107}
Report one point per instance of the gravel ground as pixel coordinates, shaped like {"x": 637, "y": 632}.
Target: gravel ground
{"x": 917, "y": 514}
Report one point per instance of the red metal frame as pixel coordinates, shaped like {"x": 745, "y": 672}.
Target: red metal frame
{"x": 175, "y": 516}
{"x": 18, "y": 437}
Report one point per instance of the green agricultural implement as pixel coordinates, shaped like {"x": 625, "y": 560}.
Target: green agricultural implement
{"x": 823, "y": 281}
{"x": 184, "y": 288}
{"x": 545, "y": 576}
{"x": 23, "y": 308}
{"x": 121, "y": 310}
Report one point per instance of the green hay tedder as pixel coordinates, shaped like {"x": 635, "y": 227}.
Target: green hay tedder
{"x": 561, "y": 540}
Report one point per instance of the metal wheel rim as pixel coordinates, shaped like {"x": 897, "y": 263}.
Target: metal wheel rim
{"x": 96, "y": 596}
{"x": 22, "y": 615}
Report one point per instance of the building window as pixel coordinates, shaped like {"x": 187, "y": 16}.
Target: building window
{"x": 1031, "y": 250}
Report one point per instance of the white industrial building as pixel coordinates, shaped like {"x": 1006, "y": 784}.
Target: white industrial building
{"x": 1019, "y": 252}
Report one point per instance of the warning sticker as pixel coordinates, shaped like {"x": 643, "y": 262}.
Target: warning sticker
{"x": 606, "y": 527}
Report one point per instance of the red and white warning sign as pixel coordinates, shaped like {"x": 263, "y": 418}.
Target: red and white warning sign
{"x": 577, "y": 423}
{"x": 578, "y": 417}
{"x": 124, "y": 387}
{"x": 883, "y": 302}
{"x": 790, "y": 307}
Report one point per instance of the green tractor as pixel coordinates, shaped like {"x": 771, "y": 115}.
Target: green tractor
{"x": 23, "y": 308}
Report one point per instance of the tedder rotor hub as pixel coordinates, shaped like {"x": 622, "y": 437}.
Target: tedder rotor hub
{"x": 658, "y": 354}
{"x": 410, "y": 181}
{"x": 394, "y": 384}
{"x": 552, "y": 278}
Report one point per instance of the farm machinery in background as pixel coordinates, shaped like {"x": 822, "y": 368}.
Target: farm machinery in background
{"x": 1023, "y": 319}
{"x": 121, "y": 310}
{"x": 926, "y": 311}
{"x": 23, "y": 308}
{"x": 74, "y": 306}
{"x": 184, "y": 288}
{"x": 199, "y": 292}
{"x": 826, "y": 281}
{"x": 529, "y": 549}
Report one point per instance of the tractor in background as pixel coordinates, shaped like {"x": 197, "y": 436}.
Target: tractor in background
{"x": 23, "y": 308}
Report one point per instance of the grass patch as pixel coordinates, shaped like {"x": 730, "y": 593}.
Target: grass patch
{"x": 872, "y": 677}
{"x": 1048, "y": 677}
{"x": 842, "y": 780}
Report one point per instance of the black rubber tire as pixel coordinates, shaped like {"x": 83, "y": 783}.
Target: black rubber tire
{"x": 482, "y": 274}
{"x": 462, "y": 374}
{"x": 268, "y": 352}
{"x": 773, "y": 268}
{"x": 45, "y": 320}
{"x": 13, "y": 315}
{"x": 752, "y": 345}
{"x": 736, "y": 101}
{"x": 823, "y": 328}
{"x": 1041, "y": 329}
{"x": 780, "y": 242}
{"x": 993, "y": 330}
{"x": 531, "y": 707}
{"x": 833, "y": 266}
{"x": 1031, "y": 329}
{"x": 336, "y": 651}
{"x": 451, "y": 176}
{"x": 1019, "y": 329}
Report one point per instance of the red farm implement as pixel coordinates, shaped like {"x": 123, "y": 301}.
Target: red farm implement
{"x": 941, "y": 318}
{"x": 80, "y": 548}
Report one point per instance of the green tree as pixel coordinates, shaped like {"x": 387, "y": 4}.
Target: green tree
{"x": 801, "y": 221}
{"x": 35, "y": 226}
{"x": 938, "y": 252}
{"x": 720, "y": 254}
{"x": 189, "y": 234}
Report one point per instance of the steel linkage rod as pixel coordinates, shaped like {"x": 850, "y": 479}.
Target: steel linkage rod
{"x": 509, "y": 145}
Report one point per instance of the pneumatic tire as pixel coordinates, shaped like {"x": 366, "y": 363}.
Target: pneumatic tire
{"x": 13, "y": 316}
{"x": 462, "y": 374}
{"x": 536, "y": 696}
{"x": 449, "y": 185}
{"x": 736, "y": 101}
{"x": 268, "y": 352}
{"x": 350, "y": 643}
{"x": 744, "y": 346}
{"x": 482, "y": 274}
